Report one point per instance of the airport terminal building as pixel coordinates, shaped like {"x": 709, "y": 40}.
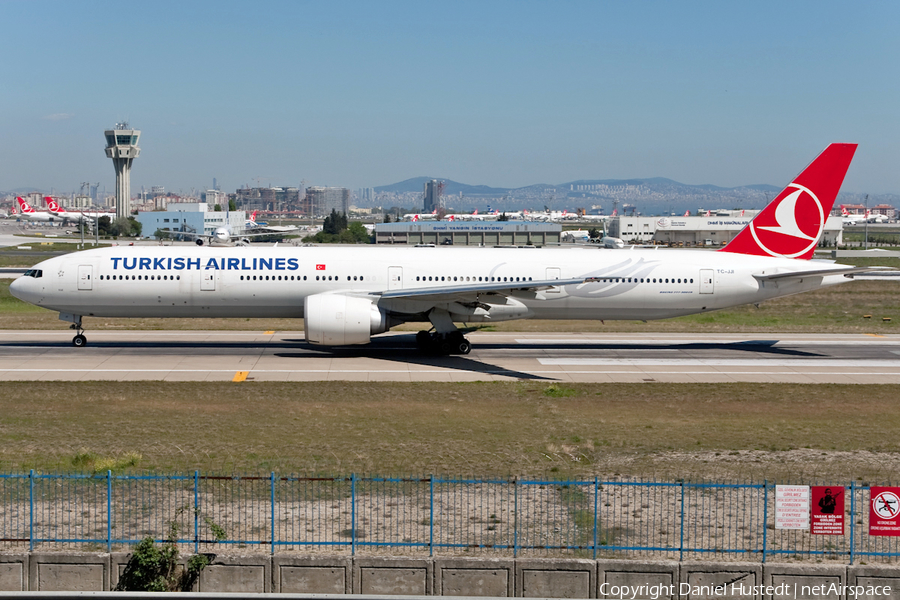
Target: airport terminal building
{"x": 469, "y": 233}
{"x": 190, "y": 218}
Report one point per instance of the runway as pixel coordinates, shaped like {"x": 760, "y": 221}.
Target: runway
{"x": 568, "y": 357}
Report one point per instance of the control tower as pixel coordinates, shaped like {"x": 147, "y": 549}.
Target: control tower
{"x": 122, "y": 148}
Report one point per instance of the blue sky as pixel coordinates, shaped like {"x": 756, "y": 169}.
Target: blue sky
{"x": 498, "y": 93}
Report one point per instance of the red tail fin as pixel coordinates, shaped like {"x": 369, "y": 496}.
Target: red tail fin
{"x": 52, "y": 206}
{"x": 791, "y": 225}
{"x": 24, "y": 206}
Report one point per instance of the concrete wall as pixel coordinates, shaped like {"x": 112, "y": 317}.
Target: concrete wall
{"x": 497, "y": 577}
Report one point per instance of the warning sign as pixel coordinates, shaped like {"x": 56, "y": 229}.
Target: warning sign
{"x": 884, "y": 511}
{"x": 791, "y": 507}
{"x": 826, "y": 510}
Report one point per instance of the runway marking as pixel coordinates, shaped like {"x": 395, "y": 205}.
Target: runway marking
{"x": 709, "y": 341}
{"x": 452, "y": 371}
{"x": 240, "y": 376}
{"x": 726, "y": 362}
{"x": 875, "y": 335}
{"x": 268, "y": 332}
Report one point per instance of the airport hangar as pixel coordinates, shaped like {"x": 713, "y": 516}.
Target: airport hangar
{"x": 715, "y": 230}
{"x": 469, "y": 233}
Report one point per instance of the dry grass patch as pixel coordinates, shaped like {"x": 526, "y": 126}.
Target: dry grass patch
{"x": 735, "y": 431}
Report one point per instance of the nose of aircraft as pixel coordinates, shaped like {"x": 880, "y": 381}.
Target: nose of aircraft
{"x": 17, "y": 288}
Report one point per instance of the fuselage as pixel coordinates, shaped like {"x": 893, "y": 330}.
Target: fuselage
{"x": 191, "y": 281}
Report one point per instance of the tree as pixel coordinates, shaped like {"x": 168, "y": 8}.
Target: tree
{"x": 218, "y": 208}
{"x": 594, "y": 233}
{"x": 104, "y": 225}
{"x": 335, "y": 223}
{"x": 503, "y": 217}
{"x": 387, "y": 217}
{"x": 231, "y": 204}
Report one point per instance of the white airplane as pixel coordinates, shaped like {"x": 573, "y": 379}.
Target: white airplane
{"x": 27, "y": 212}
{"x": 345, "y": 294}
{"x": 79, "y": 217}
{"x": 849, "y": 219}
{"x": 875, "y": 217}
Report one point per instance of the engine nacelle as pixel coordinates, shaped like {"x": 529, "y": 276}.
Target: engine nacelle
{"x": 338, "y": 320}
{"x": 199, "y": 241}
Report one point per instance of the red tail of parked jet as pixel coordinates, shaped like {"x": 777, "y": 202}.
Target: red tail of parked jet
{"x": 52, "y": 206}
{"x": 24, "y": 206}
{"x": 792, "y": 224}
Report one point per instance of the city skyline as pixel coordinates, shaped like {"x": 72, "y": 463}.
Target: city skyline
{"x": 503, "y": 94}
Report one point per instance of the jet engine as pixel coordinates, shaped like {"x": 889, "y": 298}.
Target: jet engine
{"x": 199, "y": 241}
{"x": 337, "y": 320}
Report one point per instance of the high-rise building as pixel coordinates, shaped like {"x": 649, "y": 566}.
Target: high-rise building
{"x": 322, "y": 200}
{"x": 433, "y": 191}
{"x": 122, "y": 148}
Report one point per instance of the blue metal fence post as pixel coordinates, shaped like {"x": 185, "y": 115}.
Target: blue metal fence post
{"x": 353, "y": 514}
{"x": 109, "y": 510}
{"x": 31, "y": 511}
{"x": 273, "y": 512}
{"x": 431, "y": 517}
{"x": 852, "y": 520}
{"x": 596, "y": 516}
{"x": 196, "y": 512}
{"x": 681, "y": 539}
{"x": 765, "y": 516}
{"x": 516, "y": 517}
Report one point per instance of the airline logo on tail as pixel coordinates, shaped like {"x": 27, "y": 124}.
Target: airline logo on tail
{"x": 791, "y": 225}
{"x": 844, "y": 211}
{"x": 24, "y": 206}
{"x": 53, "y": 206}
{"x": 687, "y": 213}
{"x": 253, "y": 217}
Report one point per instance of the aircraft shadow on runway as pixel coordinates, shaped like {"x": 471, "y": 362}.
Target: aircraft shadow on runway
{"x": 403, "y": 347}
{"x": 408, "y": 354}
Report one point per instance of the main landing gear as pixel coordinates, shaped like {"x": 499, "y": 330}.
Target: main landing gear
{"x": 445, "y": 339}
{"x": 432, "y": 342}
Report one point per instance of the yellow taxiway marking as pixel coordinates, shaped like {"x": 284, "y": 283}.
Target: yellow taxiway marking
{"x": 875, "y": 334}
{"x": 240, "y": 376}
{"x": 268, "y": 332}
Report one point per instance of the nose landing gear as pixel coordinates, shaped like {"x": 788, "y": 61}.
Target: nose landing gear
{"x": 79, "y": 341}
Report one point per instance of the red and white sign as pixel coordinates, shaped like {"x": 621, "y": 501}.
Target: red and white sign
{"x": 320, "y": 267}
{"x": 826, "y": 510}
{"x": 791, "y": 507}
{"x": 884, "y": 511}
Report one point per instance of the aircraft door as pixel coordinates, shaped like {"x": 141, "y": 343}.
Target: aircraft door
{"x": 85, "y": 274}
{"x": 707, "y": 281}
{"x": 208, "y": 280}
{"x": 395, "y": 278}
{"x": 553, "y": 273}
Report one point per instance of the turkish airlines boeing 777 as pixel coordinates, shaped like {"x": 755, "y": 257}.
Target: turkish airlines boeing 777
{"x": 348, "y": 293}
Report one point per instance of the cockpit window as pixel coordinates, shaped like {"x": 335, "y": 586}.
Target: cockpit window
{"x": 36, "y": 273}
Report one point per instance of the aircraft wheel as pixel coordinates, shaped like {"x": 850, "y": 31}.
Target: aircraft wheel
{"x": 445, "y": 347}
{"x": 79, "y": 341}
{"x": 423, "y": 340}
{"x": 464, "y": 347}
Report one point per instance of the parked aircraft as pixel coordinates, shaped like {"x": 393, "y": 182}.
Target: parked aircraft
{"x": 346, "y": 294}
{"x": 849, "y": 219}
{"x": 69, "y": 217}
{"x": 28, "y": 213}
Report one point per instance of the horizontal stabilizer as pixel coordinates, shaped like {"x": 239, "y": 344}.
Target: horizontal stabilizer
{"x": 819, "y": 273}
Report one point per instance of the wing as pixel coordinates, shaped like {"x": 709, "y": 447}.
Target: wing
{"x": 477, "y": 291}
{"x": 846, "y": 271}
